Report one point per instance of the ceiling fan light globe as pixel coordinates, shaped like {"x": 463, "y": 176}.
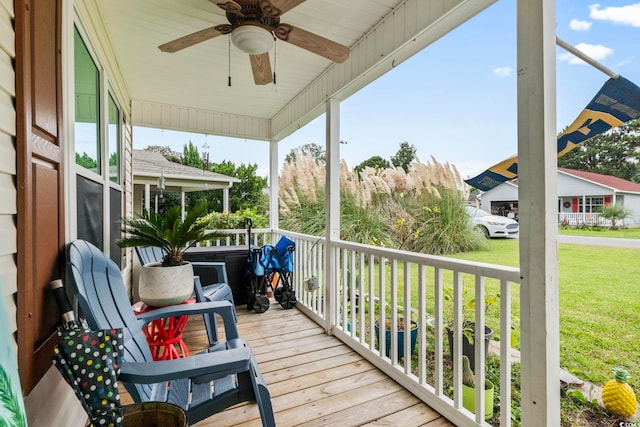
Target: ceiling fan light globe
{"x": 252, "y": 39}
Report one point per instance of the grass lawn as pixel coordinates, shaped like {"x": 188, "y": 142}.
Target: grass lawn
{"x": 599, "y": 305}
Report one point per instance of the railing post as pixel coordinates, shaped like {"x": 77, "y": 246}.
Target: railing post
{"x": 332, "y": 212}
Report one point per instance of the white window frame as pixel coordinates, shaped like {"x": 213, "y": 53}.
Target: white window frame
{"x": 73, "y": 170}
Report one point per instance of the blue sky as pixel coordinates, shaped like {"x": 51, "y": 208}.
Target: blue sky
{"x": 456, "y": 100}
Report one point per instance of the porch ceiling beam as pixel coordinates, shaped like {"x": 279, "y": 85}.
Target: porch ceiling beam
{"x": 198, "y": 120}
{"x": 413, "y": 25}
{"x": 537, "y": 182}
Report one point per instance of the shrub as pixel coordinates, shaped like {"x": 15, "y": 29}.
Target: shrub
{"x": 419, "y": 210}
{"x": 230, "y": 221}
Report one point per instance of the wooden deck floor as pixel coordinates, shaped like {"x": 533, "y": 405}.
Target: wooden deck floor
{"x": 313, "y": 378}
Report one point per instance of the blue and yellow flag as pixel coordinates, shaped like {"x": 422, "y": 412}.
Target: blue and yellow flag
{"x": 617, "y": 102}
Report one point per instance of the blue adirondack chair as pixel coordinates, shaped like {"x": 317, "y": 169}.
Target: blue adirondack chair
{"x": 220, "y": 291}
{"x": 203, "y": 384}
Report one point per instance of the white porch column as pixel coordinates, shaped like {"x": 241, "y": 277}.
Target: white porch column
{"x": 537, "y": 182}
{"x": 225, "y": 199}
{"x": 332, "y": 210}
{"x": 147, "y": 198}
{"x": 182, "y": 205}
{"x": 156, "y": 203}
{"x": 274, "y": 207}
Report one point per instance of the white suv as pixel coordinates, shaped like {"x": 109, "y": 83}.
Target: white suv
{"x": 493, "y": 225}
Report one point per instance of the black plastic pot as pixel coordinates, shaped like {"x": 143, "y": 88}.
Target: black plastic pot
{"x": 469, "y": 349}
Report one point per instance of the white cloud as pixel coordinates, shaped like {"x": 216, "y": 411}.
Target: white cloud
{"x": 624, "y": 15}
{"x": 624, "y": 62}
{"x": 578, "y": 25}
{"x": 597, "y": 52}
{"x": 502, "y": 72}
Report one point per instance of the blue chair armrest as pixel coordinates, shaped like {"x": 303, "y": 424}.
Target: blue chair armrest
{"x": 211, "y": 365}
{"x": 221, "y": 308}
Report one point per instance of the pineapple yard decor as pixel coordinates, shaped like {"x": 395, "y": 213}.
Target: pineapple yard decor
{"x": 618, "y": 396}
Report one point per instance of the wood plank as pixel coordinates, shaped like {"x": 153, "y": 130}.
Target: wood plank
{"x": 292, "y": 402}
{"x": 413, "y": 416}
{"x": 309, "y": 347}
{"x": 258, "y": 339}
{"x": 313, "y": 378}
{"x": 319, "y": 407}
{"x": 367, "y": 411}
{"x": 274, "y": 376}
{"x": 304, "y": 359}
{"x": 324, "y": 377}
{"x": 440, "y": 422}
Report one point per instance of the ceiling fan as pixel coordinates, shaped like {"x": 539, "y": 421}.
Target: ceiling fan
{"x": 253, "y": 25}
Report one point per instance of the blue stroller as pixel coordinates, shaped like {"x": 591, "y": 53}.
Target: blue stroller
{"x": 271, "y": 267}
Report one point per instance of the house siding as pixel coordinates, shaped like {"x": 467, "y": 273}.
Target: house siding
{"x": 8, "y": 161}
{"x": 505, "y": 192}
{"x": 631, "y": 202}
{"x": 570, "y": 186}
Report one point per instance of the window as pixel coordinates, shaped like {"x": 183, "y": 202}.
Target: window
{"x": 87, "y": 102}
{"x": 98, "y": 148}
{"x": 591, "y": 204}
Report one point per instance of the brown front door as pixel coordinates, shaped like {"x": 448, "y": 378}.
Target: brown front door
{"x": 40, "y": 181}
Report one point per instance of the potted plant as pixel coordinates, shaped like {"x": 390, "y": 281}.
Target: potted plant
{"x": 171, "y": 281}
{"x": 469, "y": 390}
{"x": 399, "y": 336}
{"x": 468, "y": 324}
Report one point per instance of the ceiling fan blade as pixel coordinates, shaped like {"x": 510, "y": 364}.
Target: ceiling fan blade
{"x": 278, "y": 7}
{"x": 191, "y": 39}
{"x": 312, "y": 42}
{"x": 261, "y": 67}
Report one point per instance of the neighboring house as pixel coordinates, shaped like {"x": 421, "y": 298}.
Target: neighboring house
{"x": 581, "y": 196}
{"x": 154, "y": 175}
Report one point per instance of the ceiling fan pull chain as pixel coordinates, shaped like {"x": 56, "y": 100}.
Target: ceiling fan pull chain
{"x": 275, "y": 62}
{"x": 229, "y": 48}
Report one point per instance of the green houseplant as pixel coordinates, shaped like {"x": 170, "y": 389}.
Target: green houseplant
{"x": 171, "y": 281}
{"x": 468, "y": 323}
{"x": 413, "y": 330}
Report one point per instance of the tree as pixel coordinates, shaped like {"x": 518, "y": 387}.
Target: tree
{"x": 375, "y": 162}
{"x": 614, "y": 213}
{"x": 405, "y": 155}
{"x": 166, "y": 151}
{"x": 615, "y": 153}
{"x": 317, "y": 152}
{"x": 87, "y": 161}
{"x": 249, "y": 192}
{"x": 191, "y": 156}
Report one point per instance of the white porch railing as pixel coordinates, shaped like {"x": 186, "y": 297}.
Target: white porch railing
{"x": 578, "y": 219}
{"x": 374, "y": 284}
{"x": 239, "y": 237}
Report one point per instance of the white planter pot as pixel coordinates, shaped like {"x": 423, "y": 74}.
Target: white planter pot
{"x": 160, "y": 286}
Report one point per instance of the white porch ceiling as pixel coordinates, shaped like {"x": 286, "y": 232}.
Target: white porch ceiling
{"x": 188, "y": 90}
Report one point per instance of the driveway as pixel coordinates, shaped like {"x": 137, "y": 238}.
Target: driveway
{"x": 600, "y": 241}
